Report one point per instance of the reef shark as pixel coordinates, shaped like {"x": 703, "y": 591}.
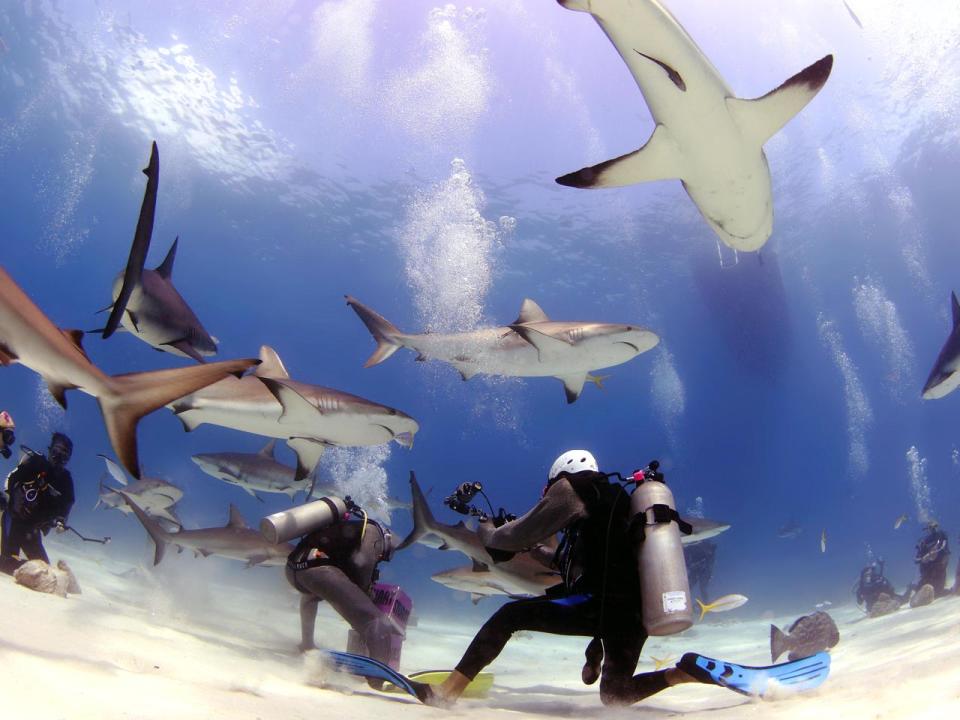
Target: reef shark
{"x": 309, "y": 417}
{"x": 525, "y": 575}
{"x": 235, "y": 540}
{"x": 705, "y": 136}
{"x": 262, "y": 472}
{"x": 532, "y": 346}
{"x": 945, "y": 375}
{"x": 145, "y": 302}
{"x": 29, "y": 337}
{"x": 156, "y": 497}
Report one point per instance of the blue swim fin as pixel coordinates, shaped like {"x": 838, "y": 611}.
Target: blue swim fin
{"x": 370, "y": 668}
{"x": 804, "y": 674}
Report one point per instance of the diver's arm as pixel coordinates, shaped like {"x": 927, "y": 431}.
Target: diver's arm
{"x": 557, "y": 509}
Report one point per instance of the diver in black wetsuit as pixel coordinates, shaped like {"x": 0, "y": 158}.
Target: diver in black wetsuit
{"x": 7, "y": 436}
{"x": 933, "y": 554}
{"x": 599, "y": 595}
{"x": 338, "y": 563}
{"x": 872, "y": 584}
{"x": 39, "y": 495}
{"x": 699, "y": 558}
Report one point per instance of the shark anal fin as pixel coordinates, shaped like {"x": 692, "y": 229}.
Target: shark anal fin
{"x": 165, "y": 269}
{"x": 7, "y": 356}
{"x": 761, "y": 118}
{"x": 59, "y": 392}
{"x": 573, "y": 386}
{"x": 659, "y": 159}
{"x": 674, "y": 76}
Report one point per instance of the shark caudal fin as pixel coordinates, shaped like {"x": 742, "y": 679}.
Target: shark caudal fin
{"x": 384, "y": 332}
{"x": 160, "y": 536}
{"x": 760, "y": 119}
{"x": 423, "y": 520}
{"x": 140, "y": 246}
{"x": 779, "y": 643}
{"x": 132, "y": 396}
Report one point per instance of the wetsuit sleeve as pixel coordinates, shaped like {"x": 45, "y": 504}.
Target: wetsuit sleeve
{"x": 558, "y": 508}
{"x": 65, "y": 502}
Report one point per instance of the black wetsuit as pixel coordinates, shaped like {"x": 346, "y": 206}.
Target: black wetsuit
{"x": 699, "y": 558}
{"x": 38, "y": 494}
{"x": 342, "y": 573}
{"x": 600, "y": 594}
{"x": 933, "y": 554}
{"x": 871, "y": 585}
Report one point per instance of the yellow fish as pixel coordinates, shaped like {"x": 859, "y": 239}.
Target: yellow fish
{"x": 823, "y": 540}
{"x": 899, "y": 521}
{"x": 660, "y": 663}
{"x": 727, "y": 602}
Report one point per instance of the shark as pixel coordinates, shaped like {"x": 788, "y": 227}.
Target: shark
{"x": 309, "y": 417}
{"x": 145, "y": 302}
{"x": 705, "y": 136}
{"x": 235, "y": 540}
{"x": 527, "y": 574}
{"x": 262, "y": 472}
{"x": 156, "y": 497}
{"x": 945, "y": 375}
{"x": 29, "y": 337}
{"x": 531, "y": 346}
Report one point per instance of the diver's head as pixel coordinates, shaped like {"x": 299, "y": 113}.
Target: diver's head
{"x": 60, "y": 450}
{"x": 7, "y": 438}
{"x": 931, "y": 526}
{"x": 571, "y": 463}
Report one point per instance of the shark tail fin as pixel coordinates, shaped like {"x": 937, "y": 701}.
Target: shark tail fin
{"x": 130, "y": 397}
{"x": 160, "y": 536}
{"x": 423, "y": 519}
{"x": 140, "y": 246}
{"x": 779, "y": 643}
{"x": 384, "y": 332}
{"x": 760, "y": 119}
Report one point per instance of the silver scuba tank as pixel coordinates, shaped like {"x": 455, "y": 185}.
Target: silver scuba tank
{"x": 664, "y": 588}
{"x": 288, "y": 524}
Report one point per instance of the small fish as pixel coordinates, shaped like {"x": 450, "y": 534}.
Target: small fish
{"x": 727, "y": 602}
{"x": 853, "y": 15}
{"x": 822, "y": 605}
{"x": 899, "y": 521}
{"x": 660, "y": 663}
{"x": 789, "y": 531}
{"x": 807, "y": 636}
{"x": 823, "y": 540}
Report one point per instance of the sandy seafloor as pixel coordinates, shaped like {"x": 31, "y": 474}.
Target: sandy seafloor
{"x": 140, "y": 644}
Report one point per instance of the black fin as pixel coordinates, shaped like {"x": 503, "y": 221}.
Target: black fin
{"x": 165, "y": 269}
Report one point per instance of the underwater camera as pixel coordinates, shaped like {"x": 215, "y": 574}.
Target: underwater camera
{"x": 460, "y": 501}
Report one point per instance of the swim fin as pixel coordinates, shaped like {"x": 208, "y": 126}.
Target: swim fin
{"x": 479, "y": 687}
{"x": 804, "y": 674}
{"x": 370, "y": 668}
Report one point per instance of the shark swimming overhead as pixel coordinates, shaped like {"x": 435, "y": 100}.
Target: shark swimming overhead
{"x": 156, "y": 497}
{"x": 235, "y": 540}
{"x": 145, "y": 302}
{"x": 29, "y": 337}
{"x": 532, "y": 346}
{"x": 309, "y": 417}
{"x": 945, "y": 375}
{"x": 705, "y": 136}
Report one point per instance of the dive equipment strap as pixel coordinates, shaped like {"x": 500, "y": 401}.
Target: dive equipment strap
{"x": 658, "y": 514}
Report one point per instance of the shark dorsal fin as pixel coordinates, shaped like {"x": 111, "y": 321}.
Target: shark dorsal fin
{"x": 270, "y": 364}
{"x": 530, "y": 312}
{"x": 236, "y": 519}
{"x": 268, "y": 449}
{"x": 956, "y": 309}
{"x": 165, "y": 269}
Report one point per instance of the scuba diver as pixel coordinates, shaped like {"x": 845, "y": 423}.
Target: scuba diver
{"x": 39, "y": 496}
{"x": 933, "y": 553}
{"x": 872, "y": 584}
{"x": 599, "y": 593}
{"x": 336, "y": 560}
{"x": 7, "y": 438}
{"x": 699, "y": 558}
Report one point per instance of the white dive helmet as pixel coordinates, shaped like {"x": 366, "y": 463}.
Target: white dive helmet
{"x": 572, "y": 461}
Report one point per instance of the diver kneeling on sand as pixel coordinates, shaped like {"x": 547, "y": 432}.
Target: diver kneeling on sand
{"x": 39, "y": 495}
{"x": 610, "y": 539}
{"x": 336, "y": 560}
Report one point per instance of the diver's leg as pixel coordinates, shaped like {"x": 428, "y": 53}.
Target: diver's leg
{"x": 10, "y": 544}
{"x": 33, "y": 545}
{"x": 308, "y": 620}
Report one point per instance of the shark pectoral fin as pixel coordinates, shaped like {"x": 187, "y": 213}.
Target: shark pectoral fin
{"x": 7, "y": 356}
{"x": 573, "y": 386}
{"x": 184, "y": 346}
{"x": 165, "y": 269}
{"x": 308, "y": 453}
{"x": 76, "y": 337}
{"x": 189, "y": 419}
{"x": 269, "y": 450}
{"x": 659, "y": 159}
{"x": 115, "y": 470}
{"x": 270, "y": 364}
{"x": 530, "y": 312}
{"x": 255, "y": 560}
{"x": 293, "y": 404}
{"x": 760, "y": 119}
{"x": 202, "y": 551}
{"x": 548, "y": 347}
{"x": 59, "y": 392}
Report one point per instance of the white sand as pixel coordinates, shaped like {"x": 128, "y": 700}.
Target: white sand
{"x": 185, "y": 644}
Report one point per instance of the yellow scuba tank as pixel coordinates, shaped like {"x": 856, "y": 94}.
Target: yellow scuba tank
{"x": 655, "y": 528}
{"x": 288, "y": 524}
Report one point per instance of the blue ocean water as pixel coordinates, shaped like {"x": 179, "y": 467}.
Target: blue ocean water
{"x": 405, "y": 153}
